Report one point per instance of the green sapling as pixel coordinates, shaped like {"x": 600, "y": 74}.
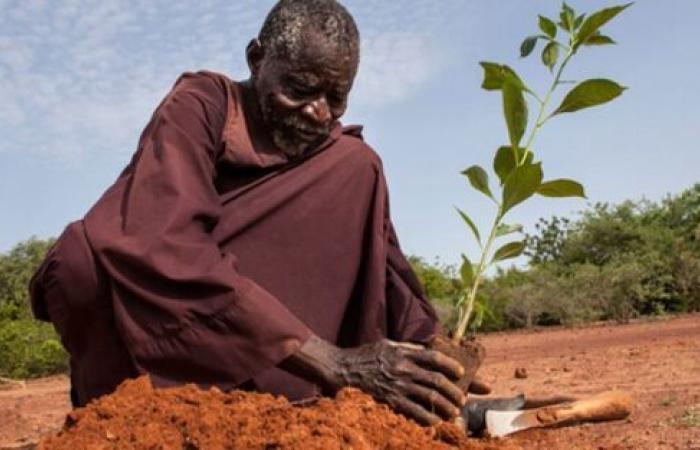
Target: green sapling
{"x": 519, "y": 175}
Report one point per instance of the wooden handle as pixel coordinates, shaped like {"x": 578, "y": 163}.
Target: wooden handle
{"x": 613, "y": 405}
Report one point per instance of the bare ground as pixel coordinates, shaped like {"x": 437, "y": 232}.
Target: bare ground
{"x": 657, "y": 362}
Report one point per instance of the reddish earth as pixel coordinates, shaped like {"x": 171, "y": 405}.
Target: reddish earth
{"x": 138, "y": 417}
{"x": 657, "y": 362}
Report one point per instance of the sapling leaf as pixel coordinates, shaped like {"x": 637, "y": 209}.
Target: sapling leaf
{"x": 597, "y": 20}
{"x": 519, "y": 176}
{"x": 598, "y": 39}
{"x": 466, "y": 271}
{"x": 510, "y": 250}
{"x": 589, "y": 93}
{"x": 470, "y": 223}
{"x": 479, "y": 179}
{"x": 514, "y": 111}
{"x": 548, "y": 27}
{"x": 567, "y": 17}
{"x": 504, "y": 161}
{"x": 561, "y": 188}
{"x": 521, "y": 184}
{"x": 550, "y": 54}
{"x": 504, "y": 229}
{"x": 495, "y": 74}
{"x": 528, "y": 45}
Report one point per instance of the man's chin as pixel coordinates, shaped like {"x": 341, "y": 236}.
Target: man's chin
{"x": 294, "y": 146}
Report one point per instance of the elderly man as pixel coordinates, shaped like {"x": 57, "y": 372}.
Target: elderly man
{"x": 248, "y": 243}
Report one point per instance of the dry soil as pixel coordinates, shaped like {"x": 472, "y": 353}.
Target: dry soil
{"x": 657, "y": 362}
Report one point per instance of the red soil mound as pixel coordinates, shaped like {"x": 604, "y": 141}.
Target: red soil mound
{"x": 137, "y": 416}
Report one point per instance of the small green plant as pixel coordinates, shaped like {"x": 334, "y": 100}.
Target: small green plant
{"x": 519, "y": 175}
{"x": 691, "y": 417}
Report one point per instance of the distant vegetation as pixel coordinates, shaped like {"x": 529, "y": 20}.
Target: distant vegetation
{"x": 614, "y": 262}
{"x": 28, "y": 348}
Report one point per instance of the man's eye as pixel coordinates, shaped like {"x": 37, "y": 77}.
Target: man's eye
{"x": 301, "y": 91}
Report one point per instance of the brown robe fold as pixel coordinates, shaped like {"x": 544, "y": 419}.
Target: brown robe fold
{"x": 222, "y": 256}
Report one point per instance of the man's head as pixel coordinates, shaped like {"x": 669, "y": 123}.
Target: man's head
{"x": 302, "y": 67}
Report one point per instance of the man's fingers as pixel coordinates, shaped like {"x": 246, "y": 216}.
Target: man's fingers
{"x": 406, "y": 345}
{"x": 432, "y": 400}
{"x": 435, "y": 360}
{"x": 479, "y": 387}
{"x": 413, "y": 410}
{"x": 440, "y": 383}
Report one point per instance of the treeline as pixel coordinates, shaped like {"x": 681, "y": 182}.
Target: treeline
{"x": 614, "y": 262}
{"x": 28, "y": 348}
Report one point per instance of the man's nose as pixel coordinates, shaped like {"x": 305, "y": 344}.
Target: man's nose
{"x": 318, "y": 111}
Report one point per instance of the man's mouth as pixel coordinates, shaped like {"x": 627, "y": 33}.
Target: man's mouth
{"x": 294, "y": 127}
{"x": 308, "y": 135}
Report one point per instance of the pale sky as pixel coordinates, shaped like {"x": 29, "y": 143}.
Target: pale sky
{"x": 80, "y": 79}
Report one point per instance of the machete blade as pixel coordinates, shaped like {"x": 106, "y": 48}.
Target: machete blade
{"x": 502, "y": 423}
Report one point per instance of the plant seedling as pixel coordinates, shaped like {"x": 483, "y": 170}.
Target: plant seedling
{"x": 519, "y": 175}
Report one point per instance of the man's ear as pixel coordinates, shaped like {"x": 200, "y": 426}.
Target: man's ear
{"x": 254, "y": 53}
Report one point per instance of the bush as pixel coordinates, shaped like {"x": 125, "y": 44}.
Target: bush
{"x": 439, "y": 280}
{"x": 30, "y": 349}
{"x": 615, "y": 262}
{"x": 686, "y": 273}
{"x": 16, "y": 269}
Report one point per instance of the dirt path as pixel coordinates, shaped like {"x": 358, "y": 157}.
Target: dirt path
{"x": 657, "y": 362}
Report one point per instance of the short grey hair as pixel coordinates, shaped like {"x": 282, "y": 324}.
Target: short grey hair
{"x": 283, "y": 29}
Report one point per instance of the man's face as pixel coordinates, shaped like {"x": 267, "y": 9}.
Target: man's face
{"x": 300, "y": 99}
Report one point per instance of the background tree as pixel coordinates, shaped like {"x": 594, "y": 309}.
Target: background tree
{"x": 28, "y": 348}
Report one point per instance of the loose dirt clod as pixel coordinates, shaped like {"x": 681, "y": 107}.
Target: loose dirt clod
{"x": 137, "y": 416}
{"x": 469, "y": 353}
{"x": 521, "y": 373}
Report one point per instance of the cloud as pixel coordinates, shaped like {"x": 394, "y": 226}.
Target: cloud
{"x": 82, "y": 77}
{"x": 393, "y": 66}
{"x": 404, "y": 46}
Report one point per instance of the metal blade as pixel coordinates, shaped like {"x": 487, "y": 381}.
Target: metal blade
{"x": 502, "y": 423}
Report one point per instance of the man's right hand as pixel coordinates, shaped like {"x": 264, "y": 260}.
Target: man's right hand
{"x": 412, "y": 379}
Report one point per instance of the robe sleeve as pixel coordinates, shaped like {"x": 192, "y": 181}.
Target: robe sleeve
{"x": 182, "y": 307}
{"x": 411, "y": 316}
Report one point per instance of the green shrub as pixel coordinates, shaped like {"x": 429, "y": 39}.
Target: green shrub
{"x": 439, "y": 280}
{"x": 16, "y": 269}
{"x": 616, "y": 262}
{"x": 29, "y": 349}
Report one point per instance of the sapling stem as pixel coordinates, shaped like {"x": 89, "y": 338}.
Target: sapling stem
{"x": 467, "y": 307}
{"x": 543, "y": 106}
{"x": 520, "y": 178}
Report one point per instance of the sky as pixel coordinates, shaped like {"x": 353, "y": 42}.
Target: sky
{"x": 80, "y": 79}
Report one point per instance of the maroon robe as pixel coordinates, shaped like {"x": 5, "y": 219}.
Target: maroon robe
{"x": 213, "y": 258}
